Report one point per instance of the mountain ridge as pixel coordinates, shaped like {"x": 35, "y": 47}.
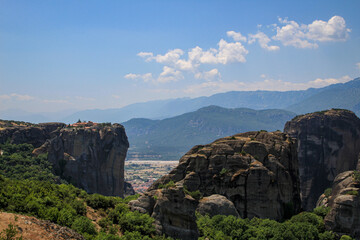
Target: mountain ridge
{"x": 298, "y": 101}
{"x": 170, "y": 138}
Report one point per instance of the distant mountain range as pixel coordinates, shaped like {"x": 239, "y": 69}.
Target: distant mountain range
{"x": 170, "y": 138}
{"x": 342, "y": 95}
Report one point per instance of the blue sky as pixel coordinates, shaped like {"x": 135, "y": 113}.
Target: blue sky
{"x": 58, "y": 55}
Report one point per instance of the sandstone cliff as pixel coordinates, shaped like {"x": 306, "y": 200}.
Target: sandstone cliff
{"x": 89, "y": 155}
{"x": 35, "y": 134}
{"x": 328, "y": 144}
{"x": 344, "y": 203}
{"x": 256, "y": 174}
{"x": 91, "y": 158}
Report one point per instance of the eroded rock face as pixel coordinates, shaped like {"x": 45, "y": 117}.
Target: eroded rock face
{"x": 35, "y": 134}
{"x": 216, "y": 205}
{"x": 91, "y": 158}
{"x": 256, "y": 173}
{"x": 344, "y": 203}
{"x": 328, "y": 144}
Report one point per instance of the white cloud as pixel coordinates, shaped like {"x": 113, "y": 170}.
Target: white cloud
{"x": 132, "y": 76}
{"x": 213, "y": 73}
{"x": 292, "y": 34}
{"x": 145, "y": 77}
{"x": 22, "y": 97}
{"x": 211, "y": 87}
{"x": 5, "y": 97}
{"x": 263, "y": 40}
{"x": 236, "y": 36}
{"x": 319, "y": 82}
{"x": 358, "y": 65}
{"x": 147, "y": 55}
{"x": 332, "y": 30}
{"x": 16, "y": 96}
{"x": 56, "y": 101}
{"x": 226, "y": 53}
{"x": 84, "y": 98}
{"x": 169, "y": 74}
{"x": 307, "y": 36}
{"x": 176, "y": 63}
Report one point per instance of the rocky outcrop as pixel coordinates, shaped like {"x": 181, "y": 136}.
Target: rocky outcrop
{"x": 35, "y": 134}
{"x": 91, "y": 158}
{"x": 256, "y": 174}
{"x": 216, "y": 205}
{"x": 328, "y": 144}
{"x": 128, "y": 189}
{"x": 344, "y": 203}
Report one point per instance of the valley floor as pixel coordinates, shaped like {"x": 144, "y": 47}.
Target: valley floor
{"x": 142, "y": 173}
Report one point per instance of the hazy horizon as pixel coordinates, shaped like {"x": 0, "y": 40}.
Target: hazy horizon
{"x": 69, "y": 56}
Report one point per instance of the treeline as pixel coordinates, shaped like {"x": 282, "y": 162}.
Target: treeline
{"x": 306, "y": 226}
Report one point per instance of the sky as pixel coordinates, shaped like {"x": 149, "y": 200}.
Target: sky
{"x": 70, "y": 54}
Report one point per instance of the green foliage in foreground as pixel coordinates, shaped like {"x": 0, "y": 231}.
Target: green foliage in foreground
{"x": 305, "y": 225}
{"x": 17, "y": 162}
{"x": 66, "y": 205}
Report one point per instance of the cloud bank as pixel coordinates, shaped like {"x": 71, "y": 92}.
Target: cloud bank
{"x": 200, "y": 64}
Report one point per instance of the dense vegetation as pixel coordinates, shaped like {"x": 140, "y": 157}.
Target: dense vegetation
{"x": 67, "y": 205}
{"x": 305, "y": 225}
{"x": 17, "y": 162}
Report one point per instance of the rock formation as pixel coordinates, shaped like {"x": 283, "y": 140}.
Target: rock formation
{"x": 328, "y": 144}
{"x": 35, "y": 134}
{"x": 87, "y": 154}
{"x": 344, "y": 203}
{"x": 91, "y": 158}
{"x": 216, "y": 205}
{"x": 256, "y": 174}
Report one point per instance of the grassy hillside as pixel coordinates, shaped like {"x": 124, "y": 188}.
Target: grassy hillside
{"x": 172, "y": 137}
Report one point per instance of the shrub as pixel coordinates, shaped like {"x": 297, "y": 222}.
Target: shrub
{"x": 321, "y": 211}
{"x": 98, "y": 201}
{"x": 66, "y": 217}
{"x": 223, "y": 171}
{"x": 346, "y": 237}
{"x": 105, "y": 236}
{"x": 356, "y": 176}
{"x": 79, "y": 207}
{"x": 327, "y": 236}
{"x": 327, "y": 192}
{"x": 104, "y": 223}
{"x": 167, "y": 185}
{"x": 353, "y": 192}
{"x": 84, "y": 225}
{"x": 307, "y": 217}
